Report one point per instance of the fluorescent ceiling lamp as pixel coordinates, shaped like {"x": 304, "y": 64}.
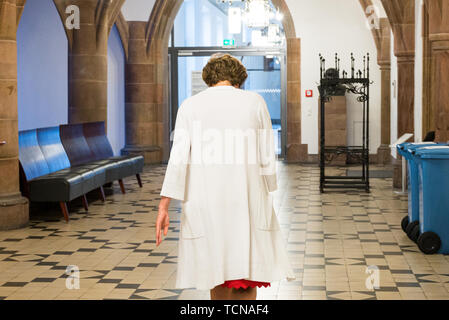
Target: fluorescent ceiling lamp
{"x": 258, "y": 14}
{"x": 234, "y": 20}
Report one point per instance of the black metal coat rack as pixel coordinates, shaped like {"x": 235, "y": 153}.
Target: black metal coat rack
{"x": 333, "y": 83}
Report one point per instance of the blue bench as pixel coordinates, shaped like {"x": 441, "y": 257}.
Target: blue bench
{"x": 59, "y": 164}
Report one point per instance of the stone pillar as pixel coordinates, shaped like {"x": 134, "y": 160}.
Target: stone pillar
{"x": 406, "y": 105}
{"x": 436, "y": 97}
{"x": 382, "y": 39}
{"x": 401, "y": 14}
{"x": 143, "y": 98}
{"x": 88, "y": 70}
{"x": 13, "y": 207}
{"x": 88, "y": 60}
{"x": 384, "y": 62}
{"x": 406, "y": 97}
{"x": 147, "y": 93}
{"x": 384, "y": 151}
{"x": 296, "y": 151}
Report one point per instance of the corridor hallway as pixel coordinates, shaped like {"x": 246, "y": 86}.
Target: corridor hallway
{"x": 331, "y": 240}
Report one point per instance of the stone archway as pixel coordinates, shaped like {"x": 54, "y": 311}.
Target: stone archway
{"x": 147, "y": 73}
{"x": 90, "y": 39}
{"x": 146, "y": 76}
{"x": 147, "y": 118}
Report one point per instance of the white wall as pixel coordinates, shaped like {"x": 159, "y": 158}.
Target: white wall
{"x": 329, "y": 27}
{"x": 116, "y": 92}
{"x": 394, "y": 96}
{"x": 137, "y": 10}
{"x": 419, "y": 71}
{"x": 42, "y": 50}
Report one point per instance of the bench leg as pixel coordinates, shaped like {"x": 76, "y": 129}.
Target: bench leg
{"x": 65, "y": 211}
{"x": 102, "y": 196}
{"x": 85, "y": 202}
{"x": 139, "y": 180}
{"x": 122, "y": 186}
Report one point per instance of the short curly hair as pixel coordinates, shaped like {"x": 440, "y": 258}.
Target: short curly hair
{"x": 222, "y": 67}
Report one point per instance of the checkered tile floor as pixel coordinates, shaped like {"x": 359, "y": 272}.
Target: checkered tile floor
{"x": 332, "y": 239}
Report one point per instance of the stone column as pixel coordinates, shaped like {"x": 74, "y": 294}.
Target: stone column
{"x": 401, "y": 14}
{"x": 384, "y": 151}
{"x": 88, "y": 60}
{"x": 296, "y": 151}
{"x": 147, "y": 92}
{"x": 436, "y": 66}
{"x": 382, "y": 38}
{"x": 143, "y": 97}
{"x": 88, "y": 69}
{"x": 406, "y": 105}
{"x": 384, "y": 62}
{"x": 13, "y": 207}
{"x": 406, "y": 98}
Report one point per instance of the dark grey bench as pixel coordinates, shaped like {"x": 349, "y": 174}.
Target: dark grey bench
{"x": 46, "y": 172}
{"x": 60, "y": 164}
{"x": 87, "y": 145}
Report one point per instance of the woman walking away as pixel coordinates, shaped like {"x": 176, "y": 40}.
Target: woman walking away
{"x": 222, "y": 168}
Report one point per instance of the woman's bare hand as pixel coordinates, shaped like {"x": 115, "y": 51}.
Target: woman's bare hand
{"x": 163, "y": 220}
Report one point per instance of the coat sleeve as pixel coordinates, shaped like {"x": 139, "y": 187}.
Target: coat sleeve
{"x": 175, "y": 177}
{"x": 267, "y": 153}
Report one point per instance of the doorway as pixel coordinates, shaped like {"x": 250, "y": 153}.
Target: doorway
{"x": 266, "y": 76}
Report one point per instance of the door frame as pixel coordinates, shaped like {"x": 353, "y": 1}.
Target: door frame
{"x": 176, "y": 52}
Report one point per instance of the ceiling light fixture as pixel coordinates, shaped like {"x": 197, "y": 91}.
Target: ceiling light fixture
{"x": 259, "y": 15}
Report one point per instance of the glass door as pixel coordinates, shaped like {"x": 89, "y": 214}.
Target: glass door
{"x": 266, "y": 76}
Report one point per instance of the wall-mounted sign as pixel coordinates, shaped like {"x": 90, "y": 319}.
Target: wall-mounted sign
{"x": 309, "y": 93}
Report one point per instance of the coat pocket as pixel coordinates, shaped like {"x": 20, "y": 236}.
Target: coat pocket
{"x": 266, "y": 216}
{"x": 191, "y": 221}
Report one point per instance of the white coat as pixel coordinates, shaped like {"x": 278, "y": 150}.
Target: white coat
{"x": 223, "y": 167}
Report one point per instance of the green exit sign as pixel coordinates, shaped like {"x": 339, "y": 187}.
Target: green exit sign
{"x": 228, "y": 42}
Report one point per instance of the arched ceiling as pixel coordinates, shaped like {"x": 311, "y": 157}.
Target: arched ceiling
{"x": 140, "y": 10}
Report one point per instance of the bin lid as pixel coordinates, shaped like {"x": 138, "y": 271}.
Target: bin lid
{"x": 402, "y": 146}
{"x": 421, "y": 143}
{"x": 414, "y": 146}
{"x": 407, "y": 149}
{"x": 433, "y": 152}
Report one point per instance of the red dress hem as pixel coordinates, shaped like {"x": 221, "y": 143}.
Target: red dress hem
{"x": 242, "y": 283}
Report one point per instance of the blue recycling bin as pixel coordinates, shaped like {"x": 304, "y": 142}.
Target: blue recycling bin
{"x": 433, "y": 173}
{"x": 410, "y": 223}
